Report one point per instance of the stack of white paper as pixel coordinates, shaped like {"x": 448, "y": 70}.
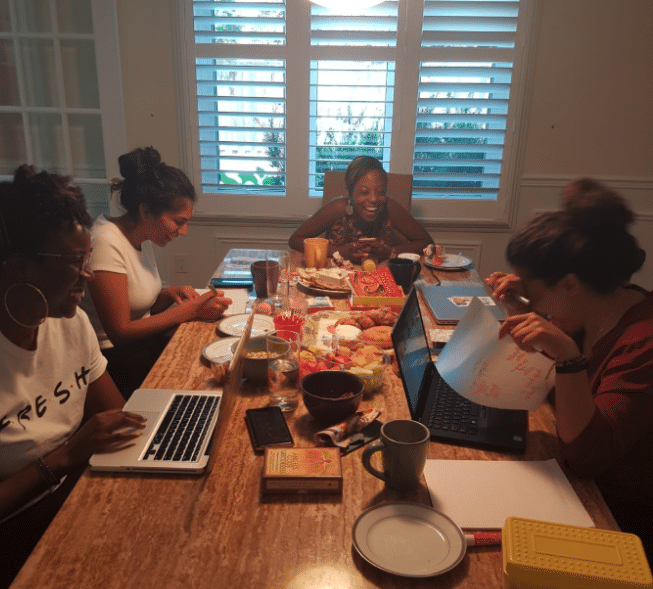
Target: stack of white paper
{"x": 482, "y": 494}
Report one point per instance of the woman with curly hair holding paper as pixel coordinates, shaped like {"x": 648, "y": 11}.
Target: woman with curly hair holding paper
{"x": 574, "y": 267}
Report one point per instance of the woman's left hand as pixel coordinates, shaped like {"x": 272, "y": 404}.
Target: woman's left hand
{"x": 372, "y": 248}
{"x": 180, "y": 293}
{"x": 211, "y": 305}
{"x": 380, "y": 250}
{"x": 533, "y": 333}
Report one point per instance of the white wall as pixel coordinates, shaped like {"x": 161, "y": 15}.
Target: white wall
{"x": 589, "y": 113}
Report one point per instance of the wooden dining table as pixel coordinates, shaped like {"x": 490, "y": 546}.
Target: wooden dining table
{"x": 217, "y": 530}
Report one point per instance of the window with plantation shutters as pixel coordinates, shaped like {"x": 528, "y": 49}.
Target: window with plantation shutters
{"x": 241, "y": 95}
{"x": 466, "y": 61}
{"x": 278, "y": 91}
{"x": 352, "y": 84}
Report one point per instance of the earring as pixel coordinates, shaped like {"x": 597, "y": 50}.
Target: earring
{"x": 349, "y": 210}
{"x": 22, "y": 301}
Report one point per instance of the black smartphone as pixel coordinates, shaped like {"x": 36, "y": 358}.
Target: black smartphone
{"x": 267, "y": 427}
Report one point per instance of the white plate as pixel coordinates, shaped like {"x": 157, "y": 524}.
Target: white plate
{"x": 235, "y": 325}
{"x": 408, "y": 539}
{"x": 320, "y": 290}
{"x": 449, "y": 262}
{"x": 219, "y": 348}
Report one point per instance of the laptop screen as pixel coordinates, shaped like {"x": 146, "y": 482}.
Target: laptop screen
{"x": 411, "y": 348}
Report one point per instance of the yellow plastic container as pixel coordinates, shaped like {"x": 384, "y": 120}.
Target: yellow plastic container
{"x": 544, "y": 555}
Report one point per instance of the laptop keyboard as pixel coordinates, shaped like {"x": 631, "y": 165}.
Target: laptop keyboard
{"x": 183, "y": 429}
{"x": 451, "y": 412}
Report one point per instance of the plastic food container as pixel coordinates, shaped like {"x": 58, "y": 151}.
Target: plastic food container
{"x": 544, "y": 555}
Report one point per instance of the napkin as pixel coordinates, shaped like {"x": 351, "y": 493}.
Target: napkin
{"x": 352, "y": 433}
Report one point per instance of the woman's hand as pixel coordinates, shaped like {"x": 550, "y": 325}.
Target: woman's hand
{"x": 178, "y": 294}
{"x": 533, "y": 333}
{"x": 379, "y": 250}
{"x": 364, "y": 248}
{"x": 209, "y": 306}
{"x": 507, "y": 288}
{"x": 102, "y": 431}
{"x": 349, "y": 250}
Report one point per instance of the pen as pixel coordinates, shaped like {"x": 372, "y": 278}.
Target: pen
{"x": 526, "y": 302}
{"x": 483, "y": 539}
{"x": 519, "y": 298}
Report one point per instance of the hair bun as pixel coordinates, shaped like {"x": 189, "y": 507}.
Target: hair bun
{"x": 139, "y": 163}
{"x": 595, "y": 207}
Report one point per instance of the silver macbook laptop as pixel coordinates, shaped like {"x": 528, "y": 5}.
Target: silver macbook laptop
{"x": 177, "y": 434}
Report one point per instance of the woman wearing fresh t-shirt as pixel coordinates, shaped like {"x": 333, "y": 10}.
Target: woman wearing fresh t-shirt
{"x": 58, "y": 405}
{"x": 128, "y": 307}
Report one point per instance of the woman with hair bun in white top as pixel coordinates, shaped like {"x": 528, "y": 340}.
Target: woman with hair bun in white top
{"x": 130, "y": 310}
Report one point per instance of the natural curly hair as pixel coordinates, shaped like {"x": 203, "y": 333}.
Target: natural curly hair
{"x": 36, "y": 206}
{"x": 589, "y": 235}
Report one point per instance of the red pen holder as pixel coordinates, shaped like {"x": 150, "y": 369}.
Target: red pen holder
{"x": 291, "y": 324}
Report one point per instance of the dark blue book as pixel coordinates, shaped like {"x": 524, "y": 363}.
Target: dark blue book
{"x": 233, "y": 282}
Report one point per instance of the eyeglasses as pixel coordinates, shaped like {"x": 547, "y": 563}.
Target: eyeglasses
{"x": 80, "y": 261}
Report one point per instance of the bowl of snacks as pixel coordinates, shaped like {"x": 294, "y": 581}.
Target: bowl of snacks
{"x": 369, "y": 363}
{"x": 321, "y": 354}
{"x": 255, "y": 365}
{"x": 331, "y": 395}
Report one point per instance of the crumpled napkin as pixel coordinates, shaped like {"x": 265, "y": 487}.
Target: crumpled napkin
{"x": 352, "y": 433}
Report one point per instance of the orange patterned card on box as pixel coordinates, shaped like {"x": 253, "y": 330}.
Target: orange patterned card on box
{"x": 375, "y": 288}
{"x": 302, "y": 470}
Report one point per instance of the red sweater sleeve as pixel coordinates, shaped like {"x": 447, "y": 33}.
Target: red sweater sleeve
{"x": 621, "y": 379}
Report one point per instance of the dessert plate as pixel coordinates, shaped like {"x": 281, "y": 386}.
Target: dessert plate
{"x": 220, "y": 348}
{"x": 235, "y": 325}
{"x": 323, "y": 290}
{"x": 449, "y": 262}
{"x": 408, "y": 539}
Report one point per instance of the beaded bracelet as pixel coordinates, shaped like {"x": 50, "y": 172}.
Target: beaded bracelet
{"x": 47, "y": 473}
{"x": 577, "y": 364}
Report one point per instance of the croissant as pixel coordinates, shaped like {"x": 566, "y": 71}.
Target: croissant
{"x": 378, "y": 336}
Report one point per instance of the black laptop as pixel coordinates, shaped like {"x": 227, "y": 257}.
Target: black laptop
{"x": 450, "y": 417}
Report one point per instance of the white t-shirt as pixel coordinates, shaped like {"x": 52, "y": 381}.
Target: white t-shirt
{"x": 42, "y": 392}
{"x": 112, "y": 252}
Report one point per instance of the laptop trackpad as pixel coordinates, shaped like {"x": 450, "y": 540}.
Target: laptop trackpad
{"x": 131, "y": 450}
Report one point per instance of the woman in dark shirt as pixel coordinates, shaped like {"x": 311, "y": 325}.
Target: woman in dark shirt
{"x": 366, "y": 223}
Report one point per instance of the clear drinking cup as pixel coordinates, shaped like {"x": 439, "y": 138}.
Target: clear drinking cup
{"x": 283, "y": 348}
